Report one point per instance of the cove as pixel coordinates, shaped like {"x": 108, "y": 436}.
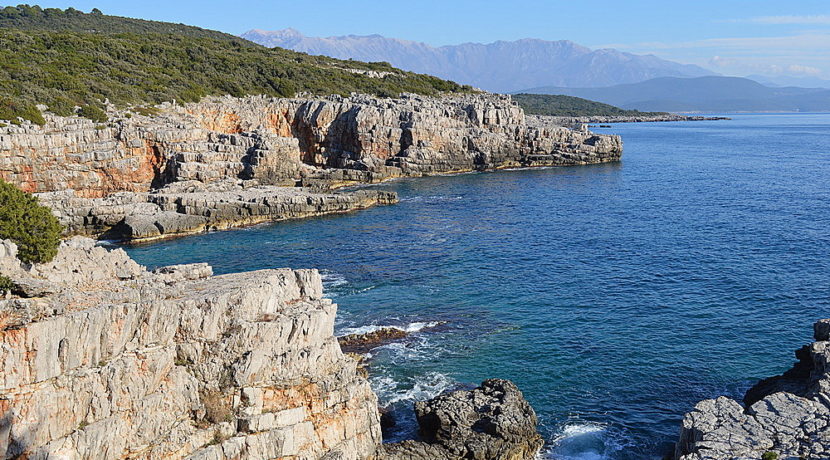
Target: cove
{"x": 615, "y": 296}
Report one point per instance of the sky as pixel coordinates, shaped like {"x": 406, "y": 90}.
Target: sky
{"x": 733, "y": 37}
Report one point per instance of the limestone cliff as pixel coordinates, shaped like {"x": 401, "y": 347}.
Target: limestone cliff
{"x": 318, "y": 143}
{"x": 107, "y": 360}
{"x": 787, "y": 416}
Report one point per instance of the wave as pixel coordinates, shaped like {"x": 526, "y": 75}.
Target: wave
{"x": 332, "y": 279}
{"x": 410, "y": 328}
{"x": 418, "y": 388}
{"x": 585, "y": 441}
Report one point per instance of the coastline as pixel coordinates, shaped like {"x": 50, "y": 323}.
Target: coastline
{"x": 227, "y": 162}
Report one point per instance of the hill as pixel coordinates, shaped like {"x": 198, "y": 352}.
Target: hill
{"x": 501, "y": 66}
{"x": 93, "y": 57}
{"x": 570, "y": 106}
{"x": 703, "y": 94}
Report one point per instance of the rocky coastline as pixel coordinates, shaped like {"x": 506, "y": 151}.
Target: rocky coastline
{"x": 782, "y": 417}
{"x": 576, "y": 121}
{"x": 105, "y": 359}
{"x": 224, "y": 162}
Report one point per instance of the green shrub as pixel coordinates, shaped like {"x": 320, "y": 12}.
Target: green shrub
{"x": 6, "y": 284}
{"x": 11, "y": 109}
{"x": 769, "y": 456}
{"x": 94, "y": 113}
{"x": 30, "y": 225}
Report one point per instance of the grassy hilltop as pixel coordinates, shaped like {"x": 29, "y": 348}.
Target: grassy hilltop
{"x": 67, "y": 58}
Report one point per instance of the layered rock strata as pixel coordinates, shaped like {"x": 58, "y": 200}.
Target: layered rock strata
{"x": 193, "y": 206}
{"x": 787, "y": 416}
{"x": 107, "y": 360}
{"x": 492, "y": 422}
{"x": 318, "y": 143}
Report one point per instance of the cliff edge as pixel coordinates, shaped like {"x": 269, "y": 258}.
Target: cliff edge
{"x": 260, "y": 158}
{"x": 105, "y": 359}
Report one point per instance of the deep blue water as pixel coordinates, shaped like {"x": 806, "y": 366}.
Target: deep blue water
{"x": 615, "y": 296}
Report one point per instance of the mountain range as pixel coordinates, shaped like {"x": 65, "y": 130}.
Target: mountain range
{"x": 702, "y": 94}
{"x": 501, "y": 66}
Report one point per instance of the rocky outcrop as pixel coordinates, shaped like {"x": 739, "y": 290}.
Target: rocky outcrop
{"x": 318, "y": 143}
{"x": 193, "y": 206}
{"x": 492, "y": 422}
{"x": 107, "y": 360}
{"x": 546, "y": 120}
{"x": 783, "y": 417}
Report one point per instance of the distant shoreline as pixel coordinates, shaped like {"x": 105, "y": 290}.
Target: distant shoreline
{"x": 572, "y": 121}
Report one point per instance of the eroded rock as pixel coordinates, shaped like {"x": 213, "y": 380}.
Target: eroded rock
{"x": 119, "y": 362}
{"x": 788, "y": 415}
{"x": 493, "y": 422}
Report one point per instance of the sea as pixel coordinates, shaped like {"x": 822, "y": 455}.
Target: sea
{"x": 616, "y": 296}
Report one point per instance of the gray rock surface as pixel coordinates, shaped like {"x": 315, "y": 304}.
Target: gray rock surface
{"x": 788, "y": 415}
{"x": 192, "y": 206}
{"x": 119, "y": 362}
{"x": 97, "y": 176}
{"x": 492, "y": 422}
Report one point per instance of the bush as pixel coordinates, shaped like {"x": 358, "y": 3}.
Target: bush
{"x": 769, "y": 456}
{"x": 6, "y": 284}
{"x": 11, "y": 109}
{"x": 30, "y": 225}
{"x": 93, "y": 113}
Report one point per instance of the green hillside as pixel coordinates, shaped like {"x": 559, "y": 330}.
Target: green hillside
{"x": 569, "y": 106}
{"x": 68, "y": 58}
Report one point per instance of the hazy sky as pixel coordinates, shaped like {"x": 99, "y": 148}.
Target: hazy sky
{"x": 734, "y": 37}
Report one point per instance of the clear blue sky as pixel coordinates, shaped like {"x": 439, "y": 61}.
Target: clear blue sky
{"x": 790, "y": 37}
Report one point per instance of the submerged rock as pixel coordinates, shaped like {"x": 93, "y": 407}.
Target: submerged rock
{"x": 362, "y": 343}
{"x": 492, "y": 422}
{"x": 787, "y": 416}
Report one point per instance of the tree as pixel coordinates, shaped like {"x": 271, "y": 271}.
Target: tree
{"x": 30, "y": 225}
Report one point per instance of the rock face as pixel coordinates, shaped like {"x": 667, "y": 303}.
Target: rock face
{"x": 788, "y": 415}
{"x": 492, "y": 422}
{"x": 112, "y": 361}
{"x": 312, "y": 142}
{"x": 193, "y": 206}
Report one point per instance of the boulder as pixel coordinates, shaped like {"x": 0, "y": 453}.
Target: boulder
{"x": 492, "y": 422}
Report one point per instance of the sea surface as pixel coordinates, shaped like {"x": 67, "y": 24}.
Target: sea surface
{"x": 616, "y": 296}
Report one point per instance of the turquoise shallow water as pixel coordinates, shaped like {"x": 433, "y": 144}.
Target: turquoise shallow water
{"x": 615, "y": 296}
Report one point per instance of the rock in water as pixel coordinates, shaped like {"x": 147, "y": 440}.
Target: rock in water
{"x": 785, "y": 417}
{"x": 491, "y": 422}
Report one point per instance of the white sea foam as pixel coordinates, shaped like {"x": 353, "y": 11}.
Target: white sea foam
{"x": 583, "y": 441}
{"x": 413, "y": 327}
{"x": 419, "y": 388}
{"x": 332, "y": 279}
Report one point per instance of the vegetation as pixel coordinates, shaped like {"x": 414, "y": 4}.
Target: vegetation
{"x": 769, "y": 455}
{"x": 30, "y": 225}
{"x": 569, "y": 106}
{"x": 6, "y": 284}
{"x": 69, "y": 58}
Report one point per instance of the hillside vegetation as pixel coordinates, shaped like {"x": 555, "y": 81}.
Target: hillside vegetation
{"x": 65, "y": 59}
{"x": 569, "y": 106}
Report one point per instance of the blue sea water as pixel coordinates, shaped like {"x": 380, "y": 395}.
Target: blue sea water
{"x": 616, "y": 296}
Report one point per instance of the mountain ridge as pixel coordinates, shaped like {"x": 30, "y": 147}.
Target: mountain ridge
{"x": 499, "y": 66}
{"x": 702, "y": 94}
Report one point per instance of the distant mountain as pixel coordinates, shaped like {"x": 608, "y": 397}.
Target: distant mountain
{"x": 783, "y": 80}
{"x": 703, "y": 94}
{"x": 500, "y": 66}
